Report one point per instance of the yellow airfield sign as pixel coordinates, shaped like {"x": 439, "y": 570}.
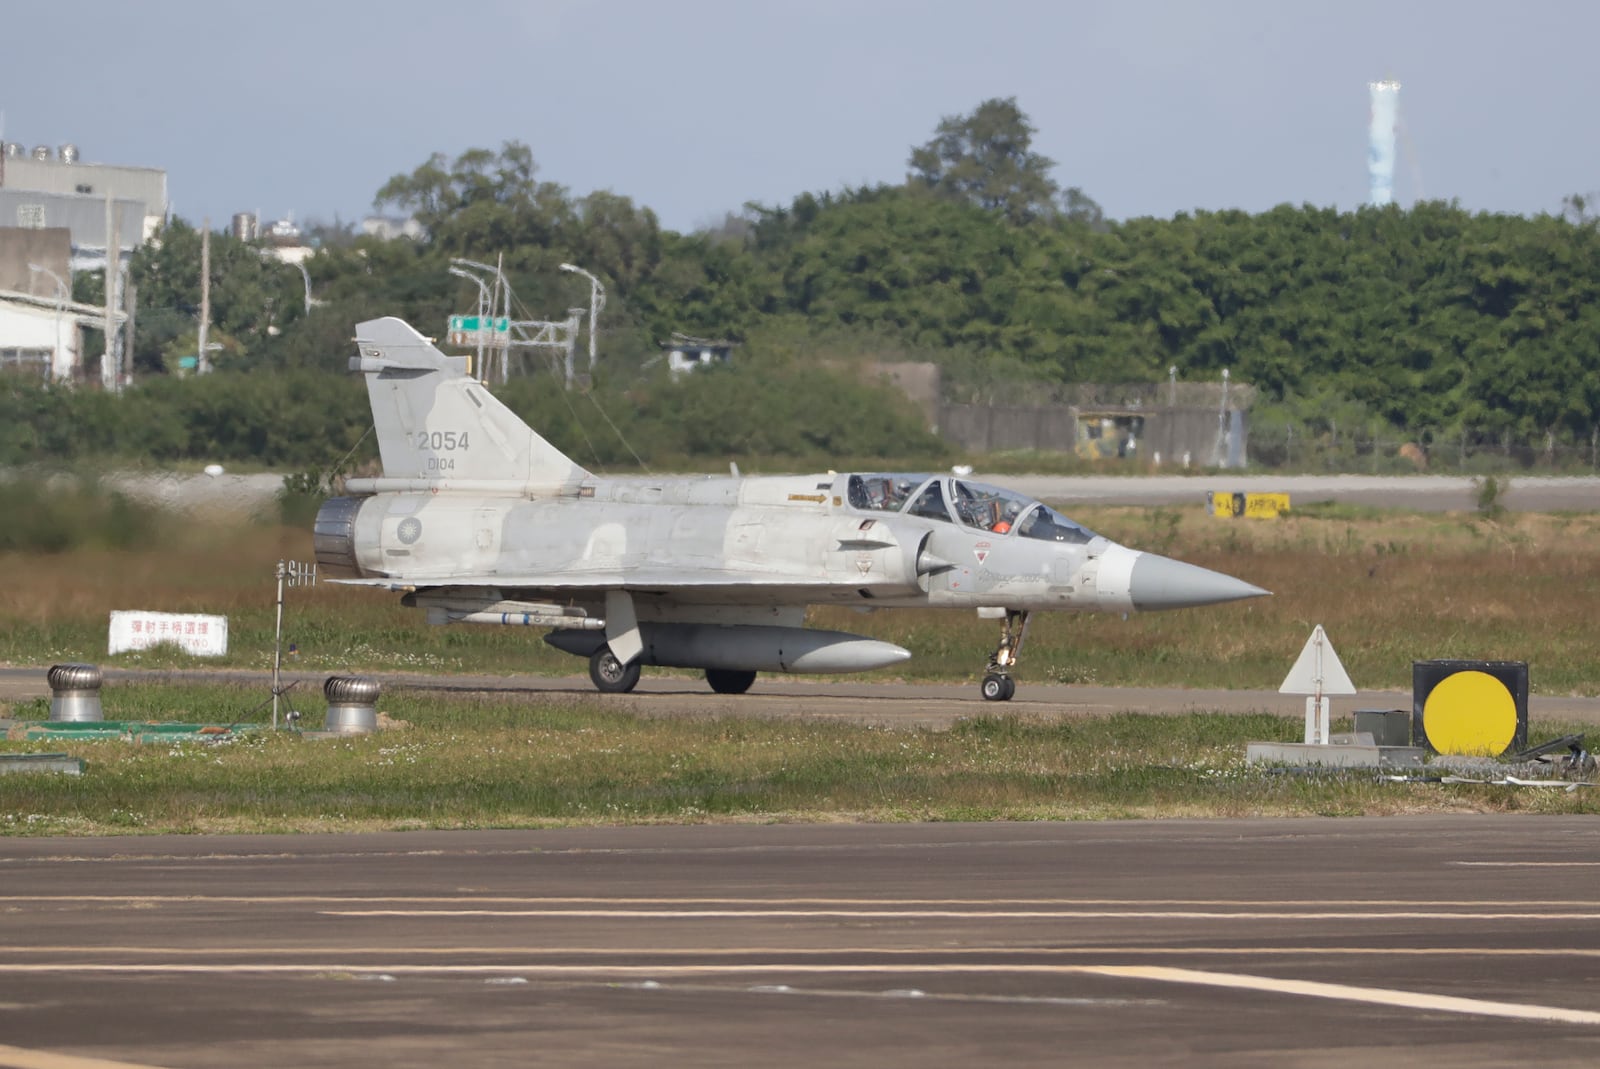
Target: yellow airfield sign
{"x": 1476, "y": 708}
{"x": 1228, "y": 506}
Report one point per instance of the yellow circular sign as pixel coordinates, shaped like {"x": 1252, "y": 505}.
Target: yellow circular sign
{"x": 1470, "y": 713}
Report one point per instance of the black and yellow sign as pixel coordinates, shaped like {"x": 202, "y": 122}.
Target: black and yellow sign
{"x": 1255, "y": 506}
{"x": 1470, "y": 708}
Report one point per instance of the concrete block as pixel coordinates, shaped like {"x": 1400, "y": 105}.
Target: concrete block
{"x": 40, "y": 762}
{"x": 1335, "y": 755}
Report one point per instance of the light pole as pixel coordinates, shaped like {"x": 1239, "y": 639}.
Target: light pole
{"x": 63, "y": 295}
{"x": 266, "y": 254}
{"x": 306, "y": 275}
{"x": 597, "y": 301}
{"x": 485, "y": 308}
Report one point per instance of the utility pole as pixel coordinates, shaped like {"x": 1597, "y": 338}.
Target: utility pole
{"x": 483, "y": 303}
{"x": 108, "y": 361}
{"x": 1221, "y": 458}
{"x": 202, "y": 363}
{"x": 130, "y": 305}
{"x": 597, "y": 301}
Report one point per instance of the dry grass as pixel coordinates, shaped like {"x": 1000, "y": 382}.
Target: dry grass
{"x": 1389, "y": 587}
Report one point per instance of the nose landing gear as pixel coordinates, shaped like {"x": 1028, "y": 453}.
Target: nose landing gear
{"x": 610, "y": 675}
{"x": 998, "y": 686}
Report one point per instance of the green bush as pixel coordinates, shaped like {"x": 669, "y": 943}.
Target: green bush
{"x": 61, "y": 513}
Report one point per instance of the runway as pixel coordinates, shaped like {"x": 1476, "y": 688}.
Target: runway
{"x": 1461, "y": 941}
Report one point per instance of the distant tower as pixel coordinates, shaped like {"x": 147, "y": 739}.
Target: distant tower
{"x": 1380, "y": 140}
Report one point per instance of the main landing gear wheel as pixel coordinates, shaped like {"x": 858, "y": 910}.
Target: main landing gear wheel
{"x": 610, "y": 675}
{"x": 729, "y": 681}
{"x": 998, "y": 686}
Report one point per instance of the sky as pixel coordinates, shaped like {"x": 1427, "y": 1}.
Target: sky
{"x": 692, "y": 108}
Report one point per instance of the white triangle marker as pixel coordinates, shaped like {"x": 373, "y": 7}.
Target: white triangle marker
{"x": 1317, "y": 673}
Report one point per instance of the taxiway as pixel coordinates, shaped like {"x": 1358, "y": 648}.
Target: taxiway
{"x": 1451, "y": 941}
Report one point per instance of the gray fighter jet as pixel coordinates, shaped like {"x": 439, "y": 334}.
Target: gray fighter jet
{"x": 478, "y": 519}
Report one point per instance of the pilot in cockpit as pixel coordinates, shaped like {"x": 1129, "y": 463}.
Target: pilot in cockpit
{"x": 1008, "y": 517}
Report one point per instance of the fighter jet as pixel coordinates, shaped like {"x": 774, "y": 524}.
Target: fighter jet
{"x": 478, "y": 519}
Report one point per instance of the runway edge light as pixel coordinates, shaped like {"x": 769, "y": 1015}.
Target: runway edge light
{"x": 1317, "y": 673}
{"x": 1470, "y": 708}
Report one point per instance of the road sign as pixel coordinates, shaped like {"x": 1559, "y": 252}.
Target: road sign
{"x": 1227, "y": 506}
{"x": 469, "y": 331}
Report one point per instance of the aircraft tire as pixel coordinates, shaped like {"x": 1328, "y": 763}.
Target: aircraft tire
{"x": 997, "y": 687}
{"x": 611, "y": 676}
{"x": 729, "y": 680}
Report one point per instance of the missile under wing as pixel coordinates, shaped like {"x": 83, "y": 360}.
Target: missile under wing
{"x": 478, "y": 519}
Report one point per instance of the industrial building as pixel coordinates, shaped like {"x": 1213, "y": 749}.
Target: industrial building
{"x": 59, "y": 216}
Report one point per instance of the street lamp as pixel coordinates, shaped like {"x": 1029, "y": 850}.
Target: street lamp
{"x": 63, "y": 295}
{"x": 597, "y": 301}
{"x": 485, "y": 308}
{"x": 306, "y": 275}
{"x": 266, "y": 254}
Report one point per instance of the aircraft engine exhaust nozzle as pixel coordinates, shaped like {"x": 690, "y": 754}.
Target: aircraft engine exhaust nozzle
{"x": 745, "y": 648}
{"x": 1160, "y": 582}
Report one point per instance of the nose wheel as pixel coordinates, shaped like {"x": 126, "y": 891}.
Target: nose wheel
{"x": 998, "y": 686}
{"x": 610, "y": 675}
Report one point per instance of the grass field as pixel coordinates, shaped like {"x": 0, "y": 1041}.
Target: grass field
{"x": 494, "y": 761}
{"x": 1389, "y": 588}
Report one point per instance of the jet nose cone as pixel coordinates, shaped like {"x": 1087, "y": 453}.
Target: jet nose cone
{"x": 1163, "y": 583}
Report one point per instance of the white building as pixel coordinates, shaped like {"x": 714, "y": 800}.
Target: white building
{"x": 41, "y": 326}
{"x": 388, "y": 228}
{"x": 38, "y": 338}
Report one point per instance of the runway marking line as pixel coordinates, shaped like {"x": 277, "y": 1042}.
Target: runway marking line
{"x": 1161, "y": 974}
{"x": 801, "y": 952}
{"x": 20, "y": 1058}
{"x": 1361, "y": 905}
{"x": 1528, "y": 864}
{"x": 952, "y": 914}
{"x": 1411, "y": 1000}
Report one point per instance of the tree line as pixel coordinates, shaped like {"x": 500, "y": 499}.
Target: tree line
{"x": 1430, "y": 323}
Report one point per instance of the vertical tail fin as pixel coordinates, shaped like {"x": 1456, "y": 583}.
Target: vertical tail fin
{"x": 436, "y": 422}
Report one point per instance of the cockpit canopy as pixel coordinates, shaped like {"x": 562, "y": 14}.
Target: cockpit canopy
{"x": 958, "y": 500}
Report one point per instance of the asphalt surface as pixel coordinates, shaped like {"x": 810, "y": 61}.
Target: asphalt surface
{"x": 1459, "y": 941}
{"x": 1417, "y": 493}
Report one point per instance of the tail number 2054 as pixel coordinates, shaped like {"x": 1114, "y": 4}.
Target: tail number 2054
{"x": 439, "y": 441}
